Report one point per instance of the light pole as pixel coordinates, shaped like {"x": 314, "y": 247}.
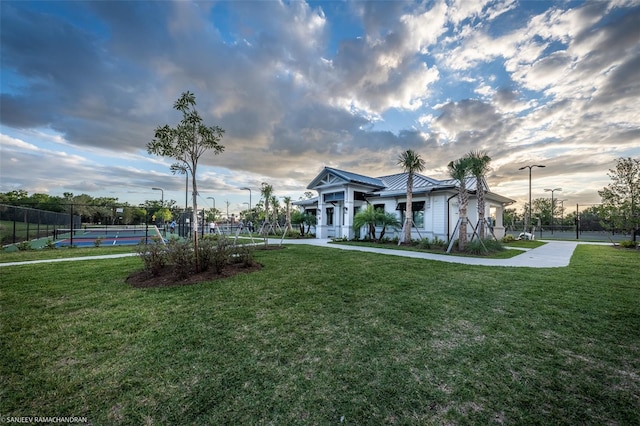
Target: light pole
{"x": 248, "y": 189}
{"x": 530, "y": 167}
{"x": 214, "y": 207}
{"x": 552, "y": 204}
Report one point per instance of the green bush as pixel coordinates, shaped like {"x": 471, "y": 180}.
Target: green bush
{"x": 485, "y": 246}
{"x": 24, "y": 246}
{"x": 50, "y": 245}
{"x": 628, "y": 244}
{"x": 437, "y": 242}
{"x": 182, "y": 257}
{"x": 242, "y": 254}
{"x": 97, "y": 242}
{"x": 221, "y": 255}
{"x": 508, "y": 238}
{"x": 154, "y": 255}
{"x": 425, "y": 244}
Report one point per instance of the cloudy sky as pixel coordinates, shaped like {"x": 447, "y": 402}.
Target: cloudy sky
{"x": 302, "y": 85}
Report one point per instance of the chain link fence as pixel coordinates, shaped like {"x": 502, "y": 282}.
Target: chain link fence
{"x": 19, "y": 224}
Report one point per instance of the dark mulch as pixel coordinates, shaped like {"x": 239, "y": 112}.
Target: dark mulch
{"x": 169, "y": 277}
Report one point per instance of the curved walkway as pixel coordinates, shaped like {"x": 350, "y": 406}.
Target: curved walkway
{"x": 554, "y": 254}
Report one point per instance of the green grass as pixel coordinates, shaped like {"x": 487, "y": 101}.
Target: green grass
{"x": 505, "y": 254}
{"x": 322, "y": 335}
{"x": 62, "y": 252}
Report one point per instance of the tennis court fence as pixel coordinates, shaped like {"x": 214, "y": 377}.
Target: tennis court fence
{"x": 19, "y": 224}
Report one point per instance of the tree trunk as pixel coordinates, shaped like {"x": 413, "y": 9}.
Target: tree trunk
{"x": 408, "y": 220}
{"x": 194, "y": 223}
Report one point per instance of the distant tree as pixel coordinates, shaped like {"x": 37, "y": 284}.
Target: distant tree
{"x": 186, "y": 143}
{"x": 459, "y": 170}
{"x": 479, "y": 167}
{"x": 411, "y": 163}
{"x": 621, "y": 198}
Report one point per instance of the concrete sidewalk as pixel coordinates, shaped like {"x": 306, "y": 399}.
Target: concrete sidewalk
{"x": 554, "y": 254}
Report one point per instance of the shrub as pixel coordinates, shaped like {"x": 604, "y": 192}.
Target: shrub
{"x": 628, "y": 244}
{"x": 24, "y": 246}
{"x": 182, "y": 257}
{"x": 97, "y": 242}
{"x": 50, "y": 245}
{"x": 437, "y": 242}
{"x": 485, "y": 246}
{"x": 221, "y": 254}
{"x": 425, "y": 244}
{"x": 508, "y": 238}
{"x": 242, "y": 254}
{"x": 154, "y": 255}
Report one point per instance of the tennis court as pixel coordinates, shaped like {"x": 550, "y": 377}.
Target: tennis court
{"x": 106, "y": 236}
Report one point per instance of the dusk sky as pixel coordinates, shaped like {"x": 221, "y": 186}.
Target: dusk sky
{"x": 302, "y": 85}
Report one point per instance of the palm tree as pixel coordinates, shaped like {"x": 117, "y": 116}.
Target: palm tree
{"x": 479, "y": 167}
{"x": 411, "y": 163}
{"x": 266, "y": 191}
{"x": 459, "y": 170}
{"x": 287, "y": 203}
{"x": 388, "y": 220}
{"x": 368, "y": 216}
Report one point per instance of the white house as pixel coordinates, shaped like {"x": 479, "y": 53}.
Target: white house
{"x": 342, "y": 194}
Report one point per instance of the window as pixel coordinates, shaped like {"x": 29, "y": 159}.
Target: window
{"x": 378, "y": 207}
{"x": 329, "y": 215}
{"x": 417, "y": 210}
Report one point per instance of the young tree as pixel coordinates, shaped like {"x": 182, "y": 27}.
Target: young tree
{"x": 266, "y": 191}
{"x": 186, "y": 143}
{"x": 622, "y": 195}
{"x": 459, "y": 170}
{"x": 367, "y": 217}
{"x": 411, "y": 163}
{"x": 287, "y": 203}
{"x": 479, "y": 167}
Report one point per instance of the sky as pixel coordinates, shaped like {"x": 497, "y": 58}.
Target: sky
{"x": 298, "y": 86}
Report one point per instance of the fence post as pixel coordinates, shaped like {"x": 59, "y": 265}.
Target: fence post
{"x": 577, "y": 222}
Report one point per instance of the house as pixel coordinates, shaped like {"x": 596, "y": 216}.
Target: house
{"x": 342, "y": 194}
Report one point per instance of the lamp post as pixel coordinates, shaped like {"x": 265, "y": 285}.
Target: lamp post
{"x": 162, "y": 207}
{"x": 530, "y": 167}
{"x": 248, "y": 189}
{"x": 552, "y": 204}
{"x": 214, "y": 207}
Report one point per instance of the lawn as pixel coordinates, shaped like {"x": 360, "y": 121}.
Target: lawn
{"x": 323, "y": 336}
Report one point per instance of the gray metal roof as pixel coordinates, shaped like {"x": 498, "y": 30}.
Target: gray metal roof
{"x": 397, "y": 183}
{"x": 347, "y": 176}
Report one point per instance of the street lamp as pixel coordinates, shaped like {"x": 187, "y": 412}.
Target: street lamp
{"x": 530, "y": 167}
{"x": 214, "y": 207}
{"x": 552, "y": 204}
{"x": 248, "y": 189}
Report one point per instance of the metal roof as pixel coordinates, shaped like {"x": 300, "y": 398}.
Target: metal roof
{"x": 397, "y": 183}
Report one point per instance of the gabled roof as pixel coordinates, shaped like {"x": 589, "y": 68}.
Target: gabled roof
{"x": 396, "y": 184}
{"x": 328, "y": 175}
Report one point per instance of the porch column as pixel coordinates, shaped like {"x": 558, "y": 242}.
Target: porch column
{"x": 347, "y": 213}
{"x": 498, "y": 228}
